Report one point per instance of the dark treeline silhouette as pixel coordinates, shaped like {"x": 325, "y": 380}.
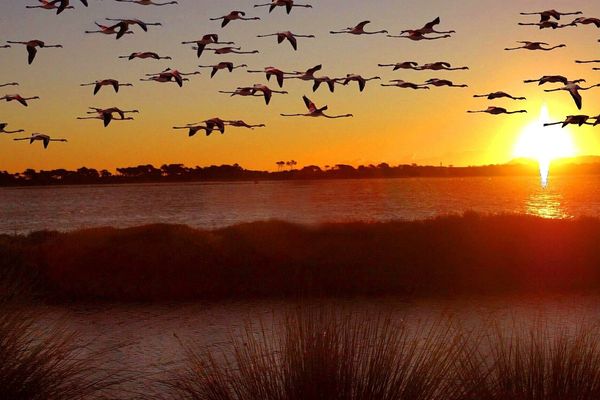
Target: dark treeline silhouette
{"x": 181, "y": 173}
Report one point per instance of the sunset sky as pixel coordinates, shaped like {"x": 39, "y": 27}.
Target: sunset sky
{"x": 390, "y": 125}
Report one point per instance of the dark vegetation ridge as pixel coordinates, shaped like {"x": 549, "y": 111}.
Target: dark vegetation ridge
{"x": 286, "y": 171}
{"x": 468, "y": 254}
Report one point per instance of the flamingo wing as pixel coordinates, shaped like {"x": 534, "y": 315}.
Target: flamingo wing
{"x": 31, "y": 52}
{"x": 431, "y": 24}
{"x": 577, "y": 98}
{"x": 293, "y": 41}
{"x": 309, "y": 104}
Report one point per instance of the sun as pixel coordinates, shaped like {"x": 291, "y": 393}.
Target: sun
{"x": 544, "y": 144}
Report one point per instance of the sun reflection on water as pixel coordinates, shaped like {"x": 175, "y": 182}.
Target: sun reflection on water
{"x": 546, "y": 203}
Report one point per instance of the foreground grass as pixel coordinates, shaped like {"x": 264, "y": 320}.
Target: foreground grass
{"x": 469, "y": 254}
{"x": 324, "y": 356}
{"x": 35, "y": 365}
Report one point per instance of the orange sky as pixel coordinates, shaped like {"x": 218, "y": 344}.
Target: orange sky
{"x": 390, "y": 124}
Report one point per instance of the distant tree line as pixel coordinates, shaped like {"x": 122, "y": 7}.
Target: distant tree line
{"x": 286, "y": 171}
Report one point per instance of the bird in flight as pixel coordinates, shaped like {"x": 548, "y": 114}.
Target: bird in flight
{"x": 499, "y": 95}
{"x": 109, "y": 30}
{"x": 211, "y": 38}
{"x": 578, "y": 120}
{"x": 441, "y": 66}
{"x": 45, "y": 139}
{"x": 3, "y": 126}
{"x": 416, "y": 35}
{"x": 170, "y": 75}
{"x": 228, "y": 50}
{"x": 272, "y": 71}
{"x": 9, "y": 84}
{"x": 233, "y": 16}
{"x": 289, "y": 36}
{"x": 546, "y": 15}
{"x": 535, "y": 46}
{"x": 362, "y": 82}
{"x": 144, "y": 55}
{"x": 314, "y": 111}
{"x": 548, "y": 24}
{"x": 357, "y": 30}
{"x": 107, "y": 114}
{"x": 242, "y": 124}
{"x": 229, "y": 66}
{"x": 497, "y": 111}
{"x": 443, "y": 82}
{"x": 19, "y": 98}
{"x": 123, "y": 25}
{"x": 573, "y": 88}
{"x": 403, "y": 65}
{"x": 405, "y": 85}
{"x": 552, "y": 79}
{"x": 193, "y": 129}
{"x": 148, "y": 2}
{"x": 49, "y": 5}
{"x": 288, "y": 4}
{"x": 106, "y": 82}
{"x": 32, "y": 46}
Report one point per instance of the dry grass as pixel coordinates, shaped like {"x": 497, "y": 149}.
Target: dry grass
{"x": 38, "y": 366}
{"x": 319, "y": 354}
{"x": 454, "y": 255}
{"x": 322, "y": 355}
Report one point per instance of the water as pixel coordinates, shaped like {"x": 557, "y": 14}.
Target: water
{"x": 150, "y": 341}
{"x": 216, "y": 205}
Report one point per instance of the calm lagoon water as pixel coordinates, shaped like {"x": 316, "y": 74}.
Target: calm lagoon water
{"x": 216, "y": 205}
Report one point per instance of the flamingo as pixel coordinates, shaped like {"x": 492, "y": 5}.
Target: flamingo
{"x": 106, "y": 82}
{"x": 403, "y": 65}
{"x": 45, "y": 139}
{"x": 222, "y": 65}
{"x": 291, "y": 37}
{"x": 64, "y": 4}
{"x": 3, "y": 126}
{"x": 325, "y": 79}
{"x": 106, "y": 114}
{"x": 573, "y": 88}
{"x": 228, "y": 50}
{"x": 587, "y": 21}
{"x": 211, "y": 38}
{"x": 405, "y": 85}
{"x": 32, "y": 47}
{"x": 429, "y": 28}
{"x": 272, "y": 71}
{"x": 546, "y": 15}
{"x": 124, "y": 24}
{"x": 437, "y": 66}
{"x": 193, "y": 129}
{"x": 107, "y": 118}
{"x": 362, "y": 82}
{"x": 552, "y": 79}
{"x": 214, "y": 123}
{"x": 535, "y": 46}
{"x": 9, "y": 84}
{"x": 416, "y": 35}
{"x": 242, "y": 91}
{"x": 587, "y": 61}
{"x": 547, "y": 24}
{"x": 307, "y": 75}
{"x": 49, "y": 5}
{"x": 358, "y": 30}
{"x": 578, "y": 120}
{"x": 232, "y": 16}
{"x": 314, "y": 111}
{"x": 443, "y": 82}
{"x": 19, "y": 98}
{"x": 499, "y": 95}
{"x": 267, "y": 92}
{"x": 169, "y": 75}
{"x": 288, "y": 4}
{"x": 497, "y": 110}
{"x": 242, "y": 124}
{"x": 108, "y": 30}
{"x": 145, "y": 54}
{"x": 148, "y": 2}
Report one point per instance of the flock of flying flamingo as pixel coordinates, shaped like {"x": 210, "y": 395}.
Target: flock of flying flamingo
{"x": 210, "y": 42}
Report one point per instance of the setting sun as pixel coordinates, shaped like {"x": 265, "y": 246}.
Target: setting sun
{"x": 544, "y": 144}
